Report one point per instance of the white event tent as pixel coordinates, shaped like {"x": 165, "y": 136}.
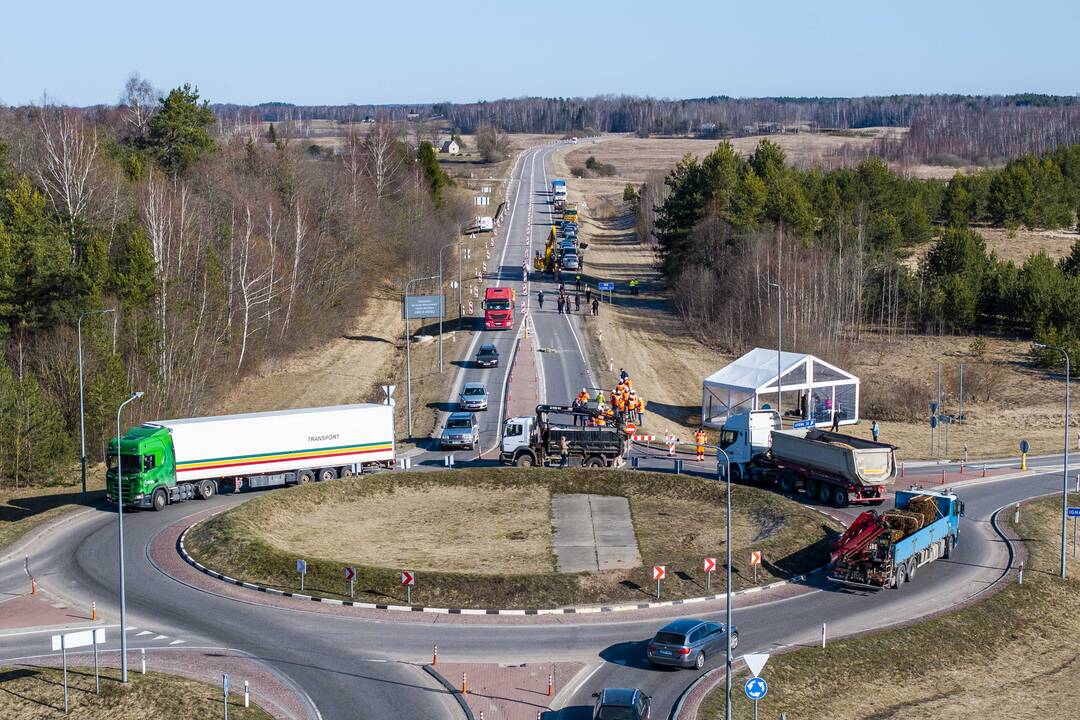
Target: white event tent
{"x": 811, "y": 387}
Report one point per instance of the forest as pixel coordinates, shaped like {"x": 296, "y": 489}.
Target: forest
{"x": 841, "y": 246}
{"x": 188, "y": 256}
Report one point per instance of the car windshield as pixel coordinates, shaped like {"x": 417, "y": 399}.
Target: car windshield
{"x": 488, "y": 351}
{"x": 463, "y": 423}
{"x": 474, "y": 391}
{"x": 615, "y": 712}
{"x": 668, "y": 638}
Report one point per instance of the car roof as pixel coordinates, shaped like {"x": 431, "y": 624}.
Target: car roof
{"x": 475, "y": 385}
{"x": 487, "y": 347}
{"x": 682, "y": 625}
{"x": 460, "y": 416}
{"x": 618, "y": 696}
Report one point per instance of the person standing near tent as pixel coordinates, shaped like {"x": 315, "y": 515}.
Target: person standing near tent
{"x": 875, "y": 430}
{"x": 836, "y": 418}
{"x": 699, "y": 443}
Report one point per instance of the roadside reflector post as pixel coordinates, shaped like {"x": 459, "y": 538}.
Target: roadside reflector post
{"x": 93, "y": 610}
{"x": 984, "y": 470}
{"x": 903, "y": 468}
{"x": 551, "y": 685}
{"x": 63, "y": 650}
{"x": 434, "y": 655}
{"x": 1020, "y": 574}
{"x": 464, "y": 683}
{"x": 247, "y": 695}
{"x": 97, "y": 665}
{"x": 1016, "y": 514}
{"x": 142, "y": 657}
{"x": 822, "y": 634}
{"x": 225, "y": 693}
{"x": 942, "y": 476}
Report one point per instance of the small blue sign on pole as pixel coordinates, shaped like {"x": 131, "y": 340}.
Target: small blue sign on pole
{"x": 1024, "y": 446}
{"x": 933, "y": 421}
{"x": 1074, "y": 512}
{"x": 756, "y": 688}
{"x": 933, "y": 408}
{"x": 803, "y": 424}
{"x": 609, "y": 286}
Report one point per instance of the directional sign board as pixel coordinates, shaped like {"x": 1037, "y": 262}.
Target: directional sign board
{"x": 350, "y": 573}
{"x": 803, "y": 424}
{"x": 755, "y": 557}
{"x": 407, "y": 577}
{"x": 756, "y": 688}
{"x": 756, "y": 662}
{"x": 1074, "y": 512}
{"x": 424, "y": 306}
{"x": 77, "y": 639}
{"x": 659, "y": 572}
{"x": 710, "y": 565}
{"x": 605, "y": 286}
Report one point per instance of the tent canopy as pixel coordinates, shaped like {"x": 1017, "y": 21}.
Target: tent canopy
{"x": 750, "y": 381}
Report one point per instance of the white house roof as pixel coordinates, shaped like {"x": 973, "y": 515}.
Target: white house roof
{"x": 757, "y": 369}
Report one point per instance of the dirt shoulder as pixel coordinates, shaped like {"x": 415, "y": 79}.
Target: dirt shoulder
{"x": 1011, "y": 655}
{"x": 23, "y": 509}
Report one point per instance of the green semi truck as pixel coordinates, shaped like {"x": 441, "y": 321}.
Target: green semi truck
{"x": 169, "y": 461}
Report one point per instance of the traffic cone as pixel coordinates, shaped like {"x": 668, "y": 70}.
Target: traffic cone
{"x": 33, "y": 586}
{"x": 435, "y": 656}
{"x": 551, "y": 686}
{"x": 464, "y": 684}
{"x": 93, "y": 610}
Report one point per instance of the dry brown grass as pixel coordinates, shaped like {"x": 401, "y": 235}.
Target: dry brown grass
{"x": 1016, "y": 245}
{"x": 23, "y": 509}
{"x": 32, "y": 693}
{"x": 1013, "y": 655}
{"x": 448, "y": 528}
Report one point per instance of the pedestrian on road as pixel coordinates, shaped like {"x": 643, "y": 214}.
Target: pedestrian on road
{"x": 874, "y": 430}
{"x": 641, "y": 410}
{"x": 699, "y": 443}
{"x": 561, "y": 303}
{"x": 577, "y": 302}
{"x": 540, "y": 299}
{"x": 577, "y": 280}
{"x": 564, "y": 451}
{"x": 595, "y": 307}
{"x": 588, "y": 299}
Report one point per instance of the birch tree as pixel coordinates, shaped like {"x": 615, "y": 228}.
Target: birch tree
{"x": 65, "y": 170}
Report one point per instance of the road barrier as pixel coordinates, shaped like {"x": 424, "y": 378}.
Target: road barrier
{"x": 448, "y": 461}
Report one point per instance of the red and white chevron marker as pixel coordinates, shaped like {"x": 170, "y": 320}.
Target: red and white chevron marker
{"x": 710, "y": 565}
{"x": 643, "y": 438}
{"x": 407, "y": 578}
{"x": 659, "y": 572}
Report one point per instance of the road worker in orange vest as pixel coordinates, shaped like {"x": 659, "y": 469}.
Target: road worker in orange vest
{"x": 699, "y": 442}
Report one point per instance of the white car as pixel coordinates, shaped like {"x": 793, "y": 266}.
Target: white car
{"x": 474, "y": 396}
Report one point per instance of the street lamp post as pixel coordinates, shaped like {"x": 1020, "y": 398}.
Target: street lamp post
{"x": 727, "y": 626}
{"x": 408, "y": 354}
{"x": 120, "y": 537}
{"x": 779, "y": 342}
{"x": 443, "y": 310}
{"x": 82, "y": 420}
{"x": 1065, "y": 469}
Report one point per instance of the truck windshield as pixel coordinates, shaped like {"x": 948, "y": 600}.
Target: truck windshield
{"x": 496, "y": 304}
{"x": 131, "y": 464}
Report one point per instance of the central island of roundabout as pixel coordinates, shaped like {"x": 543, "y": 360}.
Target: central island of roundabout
{"x": 511, "y": 538}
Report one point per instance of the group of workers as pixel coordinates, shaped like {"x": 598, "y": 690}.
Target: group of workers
{"x": 564, "y": 301}
{"x": 620, "y": 406}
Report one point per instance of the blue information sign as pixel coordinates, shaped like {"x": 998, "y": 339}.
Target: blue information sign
{"x": 933, "y": 421}
{"x": 1074, "y": 512}
{"x": 756, "y": 688}
{"x": 803, "y": 424}
{"x": 424, "y": 306}
{"x": 1024, "y": 446}
{"x": 606, "y": 286}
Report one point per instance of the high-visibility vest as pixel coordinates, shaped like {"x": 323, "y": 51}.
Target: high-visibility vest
{"x": 699, "y": 437}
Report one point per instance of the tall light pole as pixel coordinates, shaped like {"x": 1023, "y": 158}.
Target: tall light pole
{"x": 443, "y": 309}
{"x": 408, "y": 354}
{"x": 779, "y": 340}
{"x": 82, "y": 420}
{"x": 727, "y": 626}
{"x": 1065, "y": 469}
{"x": 120, "y": 536}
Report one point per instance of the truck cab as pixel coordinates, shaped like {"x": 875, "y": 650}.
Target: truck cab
{"x": 146, "y": 465}
{"x": 747, "y": 435}
{"x": 498, "y": 308}
{"x": 535, "y": 440}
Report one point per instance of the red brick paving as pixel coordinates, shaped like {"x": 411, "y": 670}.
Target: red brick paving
{"x": 38, "y": 611}
{"x": 508, "y": 692}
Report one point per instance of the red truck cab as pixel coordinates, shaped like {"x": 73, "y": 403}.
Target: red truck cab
{"x": 498, "y": 308}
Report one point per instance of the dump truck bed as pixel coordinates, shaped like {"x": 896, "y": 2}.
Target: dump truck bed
{"x": 859, "y": 461}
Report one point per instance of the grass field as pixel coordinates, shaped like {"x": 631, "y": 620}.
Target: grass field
{"x": 1013, "y": 655}
{"x": 34, "y": 693}
{"x": 678, "y": 521}
{"x": 23, "y": 509}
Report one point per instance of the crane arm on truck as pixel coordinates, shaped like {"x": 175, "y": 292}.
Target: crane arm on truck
{"x": 866, "y": 529}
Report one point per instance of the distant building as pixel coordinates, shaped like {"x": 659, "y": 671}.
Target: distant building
{"x": 412, "y": 116}
{"x": 450, "y": 148}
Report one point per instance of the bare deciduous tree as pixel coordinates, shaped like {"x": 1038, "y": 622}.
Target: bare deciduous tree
{"x": 65, "y": 171}
{"x": 140, "y": 102}
{"x": 384, "y": 158}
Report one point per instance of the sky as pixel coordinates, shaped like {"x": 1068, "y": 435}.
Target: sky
{"x": 80, "y": 53}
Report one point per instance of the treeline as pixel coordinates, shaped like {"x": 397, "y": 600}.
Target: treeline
{"x": 212, "y": 254}
{"x": 838, "y": 244}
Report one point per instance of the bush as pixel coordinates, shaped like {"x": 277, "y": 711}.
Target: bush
{"x": 896, "y": 400}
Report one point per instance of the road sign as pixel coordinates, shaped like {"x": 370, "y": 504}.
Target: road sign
{"x": 424, "y": 306}
{"x": 756, "y": 662}
{"x": 631, "y": 428}
{"x": 1074, "y": 512}
{"x": 710, "y": 565}
{"x": 77, "y": 639}
{"x": 659, "y": 572}
{"x": 756, "y": 688}
{"x": 1024, "y": 446}
{"x": 605, "y": 286}
{"x": 933, "y": 421}
{"x": 301, "y": 566}
{"x": 755, "y": 557}
{"x": 407, "y": 578}
{"x": 350, "y": 573}
{"x": 933, "y": 408}
{"x": 803, "y": 424}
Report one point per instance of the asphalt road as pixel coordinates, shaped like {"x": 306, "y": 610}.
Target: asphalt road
{"x": 361, "y": 668}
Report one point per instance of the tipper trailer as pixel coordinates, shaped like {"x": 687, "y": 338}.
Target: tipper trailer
{"x": 886, "y": 550}
{"x": 831, "y": 467}
{"x": 168, "y": 461}
{"x": 529, "y": 441}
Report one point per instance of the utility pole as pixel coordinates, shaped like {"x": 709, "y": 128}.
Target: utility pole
{"x": 120, "y": 537}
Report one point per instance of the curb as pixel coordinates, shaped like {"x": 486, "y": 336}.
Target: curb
{"x": 452, "y": 690}
{"x": 676, "y": 709}
{"x": 576, "y": 610}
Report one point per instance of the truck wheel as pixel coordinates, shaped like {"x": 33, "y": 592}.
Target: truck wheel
{"x": 700, "y": 661}
{"x": 159, "y": 500}
{"x": 901, "y": 576}
{"x": 736, "y": 474}
{"x": 825, "y": 493}
{"x": 303, "y": 477}
{"x": 347, "y": 472}
{"x": 207, "y": 488}
{"x": 912, "y": 568}
{"x": 524, "y": 460}
{"x": 786, "y": 481}
{"x": 840, "y": 497}
{"x": 594, "y": 462}
{"x": 327, "y": 474}
{"x": 948, "y": 548}
{"x": 810, "y": 487}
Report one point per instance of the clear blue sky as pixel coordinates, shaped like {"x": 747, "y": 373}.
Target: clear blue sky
{"x": 372, "y": 51}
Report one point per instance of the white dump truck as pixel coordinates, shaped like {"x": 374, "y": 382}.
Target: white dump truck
{"x": 167, "y": 461}
{"x": 828, "y": 466}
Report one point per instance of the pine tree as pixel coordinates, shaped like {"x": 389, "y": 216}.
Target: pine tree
{"x": 180, "y": 130}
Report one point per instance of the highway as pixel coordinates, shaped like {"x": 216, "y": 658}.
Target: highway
{"x": 367, "y": 666}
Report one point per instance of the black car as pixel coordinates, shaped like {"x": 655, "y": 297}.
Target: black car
{"x": 487, "y": 356}
{"x": 621, "y": 704}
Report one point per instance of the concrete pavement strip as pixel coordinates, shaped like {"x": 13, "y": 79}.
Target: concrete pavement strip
{"x": 593, "y": 532}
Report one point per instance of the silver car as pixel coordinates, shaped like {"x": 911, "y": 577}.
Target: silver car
{"x": 474, "y": 396}
{"x": 686, "y": 643}
{"x": 570, "y": 261}
{"x": 461, "y": 430}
